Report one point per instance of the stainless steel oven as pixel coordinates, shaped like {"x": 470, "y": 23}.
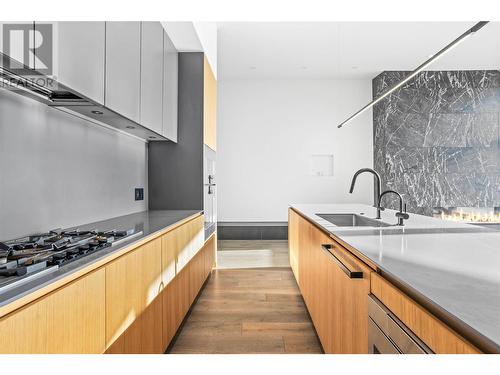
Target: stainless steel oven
{"x": 388, "y": 335}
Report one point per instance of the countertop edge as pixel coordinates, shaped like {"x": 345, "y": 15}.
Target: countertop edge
{"x": 470, "y": 334}
{"x": 27, "y": 297}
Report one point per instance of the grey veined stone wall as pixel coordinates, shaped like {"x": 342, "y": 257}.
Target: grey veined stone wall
{"x": 437, "y": 138}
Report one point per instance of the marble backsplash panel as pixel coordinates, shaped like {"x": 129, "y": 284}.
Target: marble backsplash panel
{"x": 437, "y": 138}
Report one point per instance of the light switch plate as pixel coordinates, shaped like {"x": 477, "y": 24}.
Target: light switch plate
{"x": 139, "y": 194}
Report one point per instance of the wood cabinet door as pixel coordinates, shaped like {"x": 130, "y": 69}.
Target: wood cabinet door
{"x": 68, "y": 320}
{"x": 133, "y": 309}
{"x": 320, "y": 291}
{"x": 336, "y": 303}
{"x": 210, "y": 253}
{"x": 76, "y": 316}
{"x": 209, "y": 106}
{"x": 190, "y": 238}
{"x": 304, "y": 243}
{"x": 293, "y": 242}
{"x": 25, "y": 331}
{"x": 169, "y": 250}
{"x": 347, "y": 304}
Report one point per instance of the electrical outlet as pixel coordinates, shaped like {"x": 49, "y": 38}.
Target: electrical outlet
{"x": 139, "y": 194}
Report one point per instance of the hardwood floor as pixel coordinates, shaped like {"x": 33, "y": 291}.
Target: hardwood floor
{"x": 252, "y": 254}
{"x": 244, "y": 311}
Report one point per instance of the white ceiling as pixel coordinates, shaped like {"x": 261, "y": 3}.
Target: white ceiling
{"x": 348, "y": 50}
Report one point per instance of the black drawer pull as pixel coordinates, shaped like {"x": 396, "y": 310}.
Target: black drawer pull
{"x": 357, "y": 274}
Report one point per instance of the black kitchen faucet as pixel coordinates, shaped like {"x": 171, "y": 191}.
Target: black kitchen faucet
{"x": 400, "y": 215}
{"x": 376, "y": 193}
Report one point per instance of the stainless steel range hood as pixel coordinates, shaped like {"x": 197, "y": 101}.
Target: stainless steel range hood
{"x": 44, "y": 89}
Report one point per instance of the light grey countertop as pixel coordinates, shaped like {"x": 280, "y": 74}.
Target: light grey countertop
{"x": 453, "y": 267}
{"x": 147, "y": 222}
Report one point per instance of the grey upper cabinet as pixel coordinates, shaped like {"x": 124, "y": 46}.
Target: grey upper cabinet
{"x": 152, "y": 75}
{"x": 123, "y": 68}
{"x": 80, "y": 57}
{"x": 170, "y": 89}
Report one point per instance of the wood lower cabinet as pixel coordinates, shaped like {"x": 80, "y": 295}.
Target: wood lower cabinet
{"x": 135, "y": 303}
{"x": 149, "y": 291}
{"x": 189, "y": 239}
{"x": 133, "y": 284}
{"x": 337, "y": 303}
{"x": 68, "y": 320}
{"x": 436, "y": 335}
{"x": 180, "y": 293}
{"x": 347, "y": 302}
{"x": 293, "y": 241}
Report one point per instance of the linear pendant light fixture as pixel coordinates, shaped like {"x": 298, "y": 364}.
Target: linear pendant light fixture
{"x": 462, "y": 37}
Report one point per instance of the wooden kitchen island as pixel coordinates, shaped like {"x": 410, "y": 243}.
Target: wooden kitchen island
{"x": 336, "y": 278}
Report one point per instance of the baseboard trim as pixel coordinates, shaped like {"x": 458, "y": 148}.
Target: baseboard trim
{"x": 252, "y": 231}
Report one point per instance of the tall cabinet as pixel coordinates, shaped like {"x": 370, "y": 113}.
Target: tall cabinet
{"x": 123, "y": 68}
{"x": 182, "y": 175}
{"x": 152, "y": 75}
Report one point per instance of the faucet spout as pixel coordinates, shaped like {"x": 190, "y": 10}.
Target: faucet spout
{"x": 401, "y": 215}
{"x": 377, "y": 188}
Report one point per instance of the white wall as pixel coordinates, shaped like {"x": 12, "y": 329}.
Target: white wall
{"x": 58, "y": 171}
{"x": 207, "y": 33}
{"x": 267, "y": 130}
{"x": 195, "y": 37}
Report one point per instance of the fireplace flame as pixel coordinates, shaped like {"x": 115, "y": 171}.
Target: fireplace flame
{"x": 471, "y": 217}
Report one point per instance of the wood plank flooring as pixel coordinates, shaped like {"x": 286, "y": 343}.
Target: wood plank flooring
{"x": 243, "y": 311}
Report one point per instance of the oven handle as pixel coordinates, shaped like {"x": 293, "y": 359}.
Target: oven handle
{"x": 351, "y": 273}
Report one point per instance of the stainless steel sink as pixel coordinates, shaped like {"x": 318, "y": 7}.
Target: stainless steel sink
{"x": 352, "y": 220}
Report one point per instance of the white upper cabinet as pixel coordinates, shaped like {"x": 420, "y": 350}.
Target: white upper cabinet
{"x": 123, "y": 68}
{"x": 170, "y": 88}
{"x": 80, "y": 57}
{"x": 152, "y": 75}
{"x": 129, "y": 67}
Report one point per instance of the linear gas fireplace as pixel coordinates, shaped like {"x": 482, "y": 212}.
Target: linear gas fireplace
{"x": 473, "y": 215}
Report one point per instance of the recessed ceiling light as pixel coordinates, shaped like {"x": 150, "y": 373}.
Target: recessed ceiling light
{"x": 97, "y": 112}
{"x": 253, "y": 67}
{"x": 130, "y": 127}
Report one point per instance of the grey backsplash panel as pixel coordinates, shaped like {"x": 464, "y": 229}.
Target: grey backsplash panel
{"x": 437, "y": 138}
{"x": 57, "y": 170}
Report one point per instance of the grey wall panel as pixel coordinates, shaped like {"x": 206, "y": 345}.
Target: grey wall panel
{"x": 437, "y": 138}
{"x": 176, "y": 169}
{"x": 57, "y": 170}
{"x": 252, "y": 231}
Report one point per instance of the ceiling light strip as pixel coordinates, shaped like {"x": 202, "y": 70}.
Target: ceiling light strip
{"x": 453, "y": 44}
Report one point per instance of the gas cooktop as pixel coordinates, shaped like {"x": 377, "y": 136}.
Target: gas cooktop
{"x": 24, "y": 258}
